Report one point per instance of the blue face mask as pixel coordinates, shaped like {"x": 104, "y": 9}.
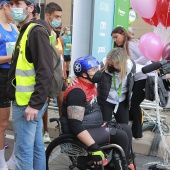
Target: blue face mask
{"x": 68, "y": 32}
{"x": 18, "y": 14}
{"x": 55, "y": 23}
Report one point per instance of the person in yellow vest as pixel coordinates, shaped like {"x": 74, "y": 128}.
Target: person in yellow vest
{"x": 8, "y": 34}
{"x": 28, "y": 86}
{"x": 53, "y": 14}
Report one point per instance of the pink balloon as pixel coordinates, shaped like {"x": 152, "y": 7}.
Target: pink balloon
{"x": 166, "y": 52}
{"x": 145, "y": 8}
{"x": 151, "y": 46}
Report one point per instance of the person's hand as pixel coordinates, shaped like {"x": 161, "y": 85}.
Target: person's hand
{"x": 97, "y": 157}
{"x": 31, "y": 113}
{"x": 96, "y": 154}
{"x": 73, "y": 80}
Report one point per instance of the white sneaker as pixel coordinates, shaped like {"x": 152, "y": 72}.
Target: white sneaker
{"x": 46, "y": 138}
{"x": 5, "y": 167}
{"x": 11, "y": 164}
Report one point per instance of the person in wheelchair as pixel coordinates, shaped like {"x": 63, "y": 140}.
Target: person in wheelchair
{"x": 81, "y": 114}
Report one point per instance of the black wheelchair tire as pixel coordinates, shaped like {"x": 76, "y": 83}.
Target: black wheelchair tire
{"x": 71, "y": 139}
{"x": 60, "y": 140}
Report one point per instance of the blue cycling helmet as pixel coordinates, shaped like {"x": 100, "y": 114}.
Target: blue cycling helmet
{"x": 83, "y": 64}
{"x": 4, "y": 2}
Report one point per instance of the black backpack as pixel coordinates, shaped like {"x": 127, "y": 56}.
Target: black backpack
{"x": 57, "y": 81}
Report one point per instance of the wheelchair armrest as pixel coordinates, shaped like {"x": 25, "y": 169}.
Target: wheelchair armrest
{"x": 54, "y": 119}
{"x": 58, "y": 122}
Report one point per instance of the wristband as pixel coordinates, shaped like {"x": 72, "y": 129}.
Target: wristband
{"x": 94, "y": 147}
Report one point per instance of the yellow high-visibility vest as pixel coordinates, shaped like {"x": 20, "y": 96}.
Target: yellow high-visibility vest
{"x": 25, "y": 73}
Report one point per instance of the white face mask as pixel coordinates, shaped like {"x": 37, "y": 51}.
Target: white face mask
{"x": 18, "y": 14}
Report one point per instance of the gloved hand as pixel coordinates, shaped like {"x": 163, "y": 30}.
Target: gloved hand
{"x": 96, "y": 154}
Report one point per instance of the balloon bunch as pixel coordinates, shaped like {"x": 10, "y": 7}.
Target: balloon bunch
{"x": 153, "y": 11}
{"x": 156, "y": 13}
{"x": 152, "y": 47}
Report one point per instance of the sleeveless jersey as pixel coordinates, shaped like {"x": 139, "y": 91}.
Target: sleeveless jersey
{"x": 7, "y": 43}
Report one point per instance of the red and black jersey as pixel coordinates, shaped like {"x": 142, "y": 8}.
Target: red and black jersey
{"x": 85, "y": 95}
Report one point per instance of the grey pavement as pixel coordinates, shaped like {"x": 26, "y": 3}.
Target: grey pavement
{"x": 142, "y": 161}
{"x": 141, "y": 146}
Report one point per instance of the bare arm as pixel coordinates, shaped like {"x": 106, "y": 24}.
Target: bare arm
{"x": 62, "y": 41}
{"x": 5, "y": 59}
{"x": 86, "y": 138}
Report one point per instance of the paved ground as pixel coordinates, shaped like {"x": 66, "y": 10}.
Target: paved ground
{"x": 141, "y": 160}
{"x": 141, "y": 147}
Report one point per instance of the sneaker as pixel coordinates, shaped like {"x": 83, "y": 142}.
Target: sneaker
{"x": 5, "y": 167}
{"x": 131, "y": 167}
{"x": 6, "y": 144}
{"x": 11, "y": 164}
{"x": 46, "y": 138}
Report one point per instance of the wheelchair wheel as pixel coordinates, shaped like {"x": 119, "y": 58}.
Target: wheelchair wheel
{"x": 66, "y": 153}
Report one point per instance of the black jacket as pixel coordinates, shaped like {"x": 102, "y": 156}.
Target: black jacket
{"x": 39, "y": 53}
{"x": 104, "y": 86}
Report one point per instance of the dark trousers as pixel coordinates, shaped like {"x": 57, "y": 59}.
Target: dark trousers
{"x": 122, "y": 115}
{"x": 135, "y": 111}
{"x": 122, "y": 137}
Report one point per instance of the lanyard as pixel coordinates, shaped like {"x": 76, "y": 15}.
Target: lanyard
{"x": 120, "y": 86}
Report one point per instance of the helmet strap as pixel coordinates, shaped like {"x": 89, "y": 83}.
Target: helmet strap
{"x": 88, "y": 77}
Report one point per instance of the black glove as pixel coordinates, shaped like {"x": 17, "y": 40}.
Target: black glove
{"x": 96, "y": 153}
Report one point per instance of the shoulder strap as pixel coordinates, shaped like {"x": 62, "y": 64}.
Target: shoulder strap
{"x": 35, "y": 25}
{"x": 134, "y": 67}
{"x": 56, "y": 53}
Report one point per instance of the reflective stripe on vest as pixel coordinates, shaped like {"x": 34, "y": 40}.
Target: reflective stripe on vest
{"x": 25, "y": 73}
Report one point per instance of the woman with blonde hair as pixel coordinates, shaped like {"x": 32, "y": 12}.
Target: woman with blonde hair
{"x": 114, "y": 90}
{"x": 124, "y": 40}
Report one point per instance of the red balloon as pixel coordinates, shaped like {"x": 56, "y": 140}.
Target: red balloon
{"x": 163, "y": 12}
{"x": 152, "y": 21}
{"x": 166, "y": 52}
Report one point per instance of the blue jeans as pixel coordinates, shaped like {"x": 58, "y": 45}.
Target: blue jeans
{"x": 29, "y": 145}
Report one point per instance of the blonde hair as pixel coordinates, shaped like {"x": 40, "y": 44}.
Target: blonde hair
{"x": 65, "y": 29}
{"x": 119, "y": 56}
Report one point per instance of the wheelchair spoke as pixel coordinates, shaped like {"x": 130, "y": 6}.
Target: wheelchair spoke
{"x": 64, "y": 155}
{"x": 59, "y": 160}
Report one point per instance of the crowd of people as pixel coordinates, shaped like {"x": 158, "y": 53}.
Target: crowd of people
{"x": 26, "y": 73}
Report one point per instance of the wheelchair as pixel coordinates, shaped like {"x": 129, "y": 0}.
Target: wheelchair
{"x": 66, "y": 152}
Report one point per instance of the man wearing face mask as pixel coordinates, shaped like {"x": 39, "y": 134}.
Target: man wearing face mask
{"x": 30, "y": 77}
{"x": 53, "y": 14}
{"x": 81, "y": 114}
